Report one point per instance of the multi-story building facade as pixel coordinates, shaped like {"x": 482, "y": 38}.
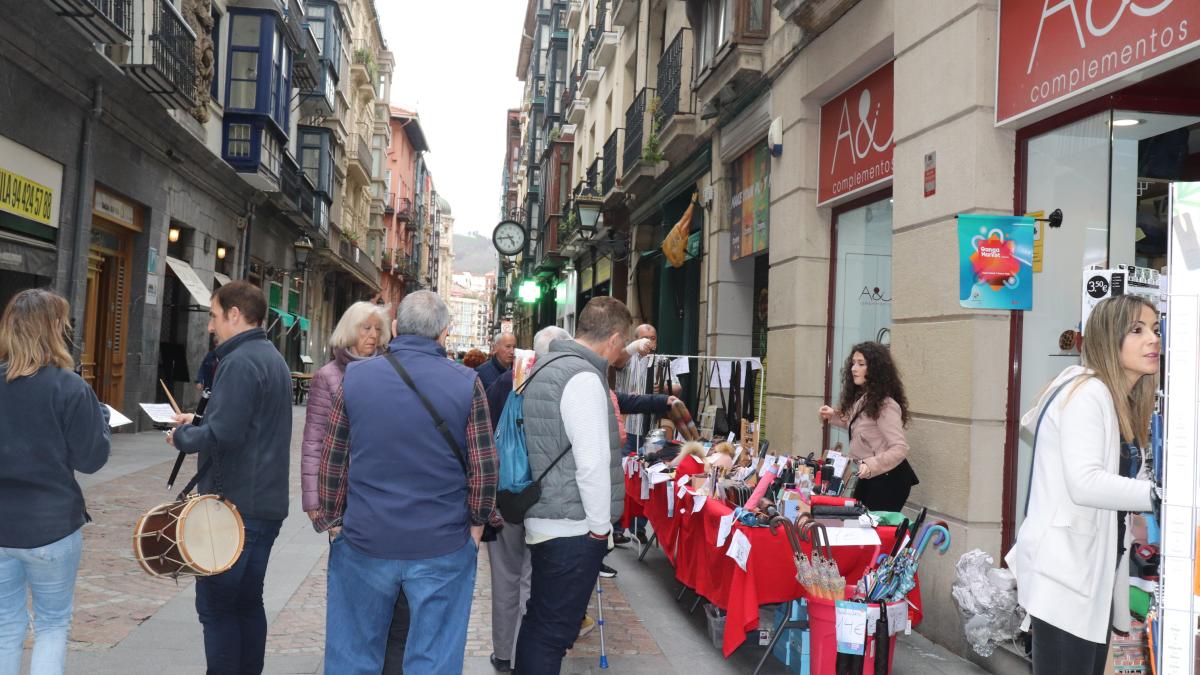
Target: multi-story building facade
{"x": 408, "y": 144}
{"x": 181, "y": 144}
{"x": 445, "y": 250}
{"x": 470, "y": 300}
{"x": 847, "y": 215}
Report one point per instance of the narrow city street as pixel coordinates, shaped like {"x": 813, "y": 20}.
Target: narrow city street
{"x": 127, "y": 622}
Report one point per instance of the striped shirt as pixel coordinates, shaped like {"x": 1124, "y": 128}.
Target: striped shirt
{"x": 632, "y": 379}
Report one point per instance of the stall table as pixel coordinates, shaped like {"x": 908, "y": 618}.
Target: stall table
{"x": 689, "y": 540}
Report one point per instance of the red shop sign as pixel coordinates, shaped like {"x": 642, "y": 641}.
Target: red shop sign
{"x": 1051, "y": 50}
{"x": 857, "y": 138}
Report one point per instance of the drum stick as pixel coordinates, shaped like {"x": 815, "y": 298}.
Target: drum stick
{"x": 170, "y": 398}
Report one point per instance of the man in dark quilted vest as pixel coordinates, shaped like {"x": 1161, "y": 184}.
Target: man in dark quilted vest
{"x": 571, "y": 434}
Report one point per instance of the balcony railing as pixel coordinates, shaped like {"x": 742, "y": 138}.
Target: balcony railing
{"x": 611, "y": 168}
{"x": 670, "y": 71}
{"x": 593, "y": 174}
{"x": 404, "y": 209}
{"x": 389, "y": 203}
{"x": 107, "y": 21}
{"x": 163, "y": 58}
{"x": 635, "y": 128}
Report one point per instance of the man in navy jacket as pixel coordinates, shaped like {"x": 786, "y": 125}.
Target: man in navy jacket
{"x": 246, "y": 434}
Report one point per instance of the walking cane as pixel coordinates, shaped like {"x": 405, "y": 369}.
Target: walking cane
{"x": 600, "y": 621}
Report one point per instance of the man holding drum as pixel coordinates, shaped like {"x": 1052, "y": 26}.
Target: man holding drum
{"x": 247, "y": 433}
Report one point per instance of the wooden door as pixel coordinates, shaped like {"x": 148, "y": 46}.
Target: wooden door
{"x": 91, "y": 335}
{"x": 116, "y": 285}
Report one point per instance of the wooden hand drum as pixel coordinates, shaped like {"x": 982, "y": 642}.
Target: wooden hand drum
{"x": 199, "y": 536}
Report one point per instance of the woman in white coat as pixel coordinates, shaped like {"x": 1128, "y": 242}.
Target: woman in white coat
{"x": 1069, "y": 560}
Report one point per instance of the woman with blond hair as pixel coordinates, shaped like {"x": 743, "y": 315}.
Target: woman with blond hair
{"x": 51, "y": 425}
{"x": 1070, "y": 556}
{"x": 362, "y": 332}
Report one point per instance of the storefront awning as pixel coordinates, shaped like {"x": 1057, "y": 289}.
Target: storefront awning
{"x": 303, "y": 321}
{"x": 222, "y": 279}
{"x": 287, "y": 319}
{"x": 27, "y": 258}
{"x": 191, "y": 281}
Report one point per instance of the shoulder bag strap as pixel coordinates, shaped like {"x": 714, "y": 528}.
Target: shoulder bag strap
{"x": 437, "y": 419}
{"x": 537, "y": 369}
{"x": 1033, "y": 450}
{"x": 525, "y": 384}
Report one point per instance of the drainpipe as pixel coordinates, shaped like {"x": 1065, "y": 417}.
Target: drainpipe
{"x": 77, "y": 271}
{"x": 246, "y": 240}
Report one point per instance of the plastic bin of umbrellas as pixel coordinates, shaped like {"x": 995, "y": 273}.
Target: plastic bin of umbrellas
{"x": 894, "y": 575}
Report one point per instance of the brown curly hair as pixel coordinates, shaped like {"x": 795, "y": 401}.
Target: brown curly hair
{"x": 475, "y": 358}
{"x": 883, "y": 382}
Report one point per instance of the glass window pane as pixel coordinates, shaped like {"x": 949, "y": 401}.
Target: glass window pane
{"x": 756, "y": 21}
{"x": 242, "y": 94}
{"x": 244, "y": 66}
{"x": 245, "y": 30}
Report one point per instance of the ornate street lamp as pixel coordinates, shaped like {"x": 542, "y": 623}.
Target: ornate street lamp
{"x": 587, "y": 211}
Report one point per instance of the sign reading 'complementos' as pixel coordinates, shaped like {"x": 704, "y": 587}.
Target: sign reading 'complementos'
{"x": 857, "y": 137}
{"x": 1054, "y": 49}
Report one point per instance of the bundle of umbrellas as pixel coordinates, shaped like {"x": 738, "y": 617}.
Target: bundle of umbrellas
{"x": 819, "y": 574}
{"x": 894, "y": 575}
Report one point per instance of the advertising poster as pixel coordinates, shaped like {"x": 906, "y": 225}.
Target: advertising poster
{"x": 750, "y": 208}
{"x": 995, "y": 259}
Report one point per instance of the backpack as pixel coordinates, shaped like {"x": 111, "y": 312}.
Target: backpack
{"x": 516, "y": 491}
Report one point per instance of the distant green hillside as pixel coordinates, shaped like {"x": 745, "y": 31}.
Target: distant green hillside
{"x": 474, "y": 253}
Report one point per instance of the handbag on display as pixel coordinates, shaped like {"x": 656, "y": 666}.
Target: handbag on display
{"x": 721, "y": 426}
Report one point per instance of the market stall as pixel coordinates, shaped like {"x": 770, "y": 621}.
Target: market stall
{"x": 701, "y": 557}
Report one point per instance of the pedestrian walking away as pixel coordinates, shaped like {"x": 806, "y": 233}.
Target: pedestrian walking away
{"x": 411, "y": 493}
{"x": 246, "y": 433}
{"x": 51, "y": 425}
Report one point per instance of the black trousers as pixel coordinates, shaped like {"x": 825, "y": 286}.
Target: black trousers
{"x": 888, "y": 492}
{"x": 1057, "y": 652}
{"x": 393, "y": 659}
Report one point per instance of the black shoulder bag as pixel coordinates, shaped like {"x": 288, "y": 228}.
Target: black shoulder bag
{"x": 437, "y": 419}
{"x": 514, "y": 505}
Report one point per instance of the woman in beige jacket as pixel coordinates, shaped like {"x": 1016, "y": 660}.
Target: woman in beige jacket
{"x": 874, "y": 410}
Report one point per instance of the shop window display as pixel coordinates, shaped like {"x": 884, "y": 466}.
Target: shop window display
{"x": 1110, "y": 173}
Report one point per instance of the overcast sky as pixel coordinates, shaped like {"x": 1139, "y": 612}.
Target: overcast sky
{"x": 456, "y": 65}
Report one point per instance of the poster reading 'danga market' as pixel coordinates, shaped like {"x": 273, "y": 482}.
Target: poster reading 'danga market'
{"x": 995, "y": 259}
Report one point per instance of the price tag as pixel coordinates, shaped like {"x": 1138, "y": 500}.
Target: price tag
{"x": 723, "y": 530}
{"x": 851, "y": 622}
{"x": 739, "y": 549}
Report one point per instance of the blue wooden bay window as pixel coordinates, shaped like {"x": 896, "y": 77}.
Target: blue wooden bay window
{"x": 259, "y": 66}
{"x": 316, "y": 157}
{"x": 251, "y": 145}
{"x": 324, "y": 20}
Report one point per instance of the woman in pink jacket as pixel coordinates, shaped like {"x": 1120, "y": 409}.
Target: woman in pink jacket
{"x": 361, "y": 333}
{"x": 874, "y": 410}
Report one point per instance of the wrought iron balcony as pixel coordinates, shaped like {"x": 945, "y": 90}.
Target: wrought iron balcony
{"x": 624, "y": 12}
{"x": 612, "y": 167}
{"x": 404, "y": 211}
{"x": 593, "y": 175}
{"x": 674, "y": 117}
{"x": 670, "y": 79}
{"x": 163, "y": 54}
{"x": 389, "y": 203}
{"x": 359, "y": 153}
{"x": 604, "y": 39}
{"x": 106, "y": 21}
{"x": 636, "y": 128}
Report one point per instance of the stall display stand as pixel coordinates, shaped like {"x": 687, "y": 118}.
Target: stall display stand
{"x": 1173, "y": 625}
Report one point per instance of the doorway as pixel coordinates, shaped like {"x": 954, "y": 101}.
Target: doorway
{"x": 106, "y": 311}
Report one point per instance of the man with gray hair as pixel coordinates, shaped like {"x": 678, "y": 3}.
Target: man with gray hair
{"x": 412, "y": 504}
{"x": 508, "y": 556}
{"x": 504, "y": 346}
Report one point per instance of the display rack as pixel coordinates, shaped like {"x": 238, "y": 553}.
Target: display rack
{"x": 1178, "y": 607}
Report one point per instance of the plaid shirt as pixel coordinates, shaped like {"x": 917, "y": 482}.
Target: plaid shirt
{"x": 481, "y": 461}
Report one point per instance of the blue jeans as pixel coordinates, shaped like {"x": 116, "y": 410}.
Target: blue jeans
{"x": 565, "y": 571}
{"x": 49, "y": 572}
{"x": 362, "y": 593}
{"x": 230, "y": 605}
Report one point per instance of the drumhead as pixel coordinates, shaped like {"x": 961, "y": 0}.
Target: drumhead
{"x": 210, "y": 534}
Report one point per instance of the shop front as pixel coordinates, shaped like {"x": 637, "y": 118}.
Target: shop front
{"x": 855, "y": 160}
{"x": 116, "y": 222}
{"x": 1105, "y": 151}
{"x": 30, "y": 197}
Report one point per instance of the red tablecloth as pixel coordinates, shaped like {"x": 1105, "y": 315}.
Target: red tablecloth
{"x": 690, "y": 543}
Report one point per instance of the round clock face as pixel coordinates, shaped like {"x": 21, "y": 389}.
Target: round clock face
{"x": 509, "y": 237}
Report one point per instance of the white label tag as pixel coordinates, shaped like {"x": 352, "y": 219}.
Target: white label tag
{"x": 739, "y": 549}
{"x": 724, "y": 528}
